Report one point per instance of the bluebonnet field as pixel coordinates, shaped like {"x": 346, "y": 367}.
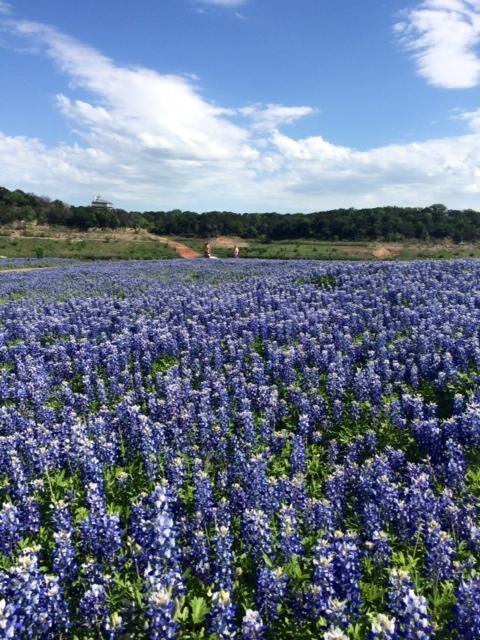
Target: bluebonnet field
{"x": 227, "y": 450}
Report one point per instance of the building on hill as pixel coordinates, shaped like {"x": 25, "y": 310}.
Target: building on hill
{"x": 100, "y": 203}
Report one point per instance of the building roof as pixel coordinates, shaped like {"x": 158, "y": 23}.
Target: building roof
{"x": 100, "y": 200}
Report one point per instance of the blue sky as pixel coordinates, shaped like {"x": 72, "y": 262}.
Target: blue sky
{"x": 246, "y": 105}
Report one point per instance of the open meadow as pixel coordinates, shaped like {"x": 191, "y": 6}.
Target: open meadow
{"x": 240, "y": 450}
{"x": 28, "y": 240}
{"x": 338, "y": 250}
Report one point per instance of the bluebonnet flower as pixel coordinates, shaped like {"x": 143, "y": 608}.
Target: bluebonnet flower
{"x": 94, "y": 613}
{"x": 258, "y": 488}
{"x": 347, "y": 567}
{"x": 304, "y": 428}
{"x": 410, "y": 609}
{"x": 455, "y": 464}
{"x": 34, "y": 602}
{"x": 396, "y": 414}
{"x": 11, "y": 531}
{"x": 319, "y": 515}
{"x": 322, "y": 590}
{"x": 203, "y": 496}
{"x": 257, "y": 533}
{"x": 62, "y": 519}
{"x": 161, "y": 544}
{"x": 467, "y": 609}
{"x": 160, "y": 612}
{"x": 223, "y": 558}
{"x": 298, "y": 457}
{"x": 458, "y": 404}
{"x": 419, "y": 502}
{"x": 383, "y": 628}
{"x": 64, "y": 558}
{"x": 335, "y": 490}
{"x": 469, "y": 423}
{"x": 200, "y": 552}
{"x": 247, "y": 424}
{"x": 371, "y": 518}
{"x": 252, "y": 626}
{"x": 335, "y": 633}
{"x": 222, "y": 616}
{"x": 100, "y": 531}
{"x": 429, "y": 435}
{"x": 379, "y": 549}
{"x": 290, "y": 543}
{"x": 8, "y": 620}
{"x": 16, "y": 472}
{"x": 271, "y": 591}
{"x": 440, "y": 553}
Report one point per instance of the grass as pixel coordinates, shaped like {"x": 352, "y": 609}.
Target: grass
{"x": 365, "y": 250}
{"x": 110, "y": 247}
{"x": 88, "y": 249}
{"x": 301, "y": 250}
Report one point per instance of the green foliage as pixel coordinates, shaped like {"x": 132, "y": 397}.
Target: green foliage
{"x": 162, "y": 364}
{"x": 88, "y": 249}
{"x": 324, "y": 282}
{"x": 199, "y": 610}
{"x": 435, "y": 222}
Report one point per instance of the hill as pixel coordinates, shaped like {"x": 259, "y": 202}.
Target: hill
{"x": 386, "y": 224}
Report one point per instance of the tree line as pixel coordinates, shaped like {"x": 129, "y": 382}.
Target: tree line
{"x": 435, "y": 222}
{"x": 16, "y": 206}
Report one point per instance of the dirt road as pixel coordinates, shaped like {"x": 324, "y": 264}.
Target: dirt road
{"x": 182, "y": 249}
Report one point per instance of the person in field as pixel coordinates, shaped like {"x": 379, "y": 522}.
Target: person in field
{"x": 207, "y": 251}
{"x": 236, "y": 251}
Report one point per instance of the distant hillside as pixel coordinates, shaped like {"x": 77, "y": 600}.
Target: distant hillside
{"x": 18, "y": 205}
{"x": 390, "y": 224}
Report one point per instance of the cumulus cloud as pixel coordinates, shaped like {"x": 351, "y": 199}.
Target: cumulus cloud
{"x": 5, "y": 8}
{"x": 272, "y": 116}
{"x": 139, "y": 106}
{"x": 150, "y": 141}
{"x": 225, "y": 3}
{"x": 443, "y": 36}
{"x": 471, "y": 117}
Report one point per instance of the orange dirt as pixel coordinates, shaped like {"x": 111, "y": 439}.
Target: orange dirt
{"x": 385, "y": 252}
{"x": 182, "y": 250}
{"x": 229, "y": 242}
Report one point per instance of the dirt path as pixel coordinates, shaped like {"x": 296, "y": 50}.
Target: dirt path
{"x": 182, "y": 249}
{"x": 16, "y": 269}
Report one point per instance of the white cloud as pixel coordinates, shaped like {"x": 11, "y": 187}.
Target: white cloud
{"x": 471, "y": 117}
{"x": 139, "y": 107}
{"x": 5, "y": 7}
{"x": 272, "y": 116}
{"x": 151, "y": 141}
{"x": 225, "y": 3}
{"x": 443, "y": 36}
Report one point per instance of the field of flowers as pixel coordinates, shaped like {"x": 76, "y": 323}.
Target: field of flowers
{"x": 226, "y": 450}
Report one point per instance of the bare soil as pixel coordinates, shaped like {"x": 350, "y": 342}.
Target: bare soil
{"x": 229, "y": 242}
{"x": 386, "y": 251}
{"x": 182, "y": 250}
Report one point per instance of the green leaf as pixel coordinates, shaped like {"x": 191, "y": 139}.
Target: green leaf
{"x": 181, "y": 613}
{"x": 80, "y": 514}
{"x": 199, "y": 609}
{"x": 267, "y": 561}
